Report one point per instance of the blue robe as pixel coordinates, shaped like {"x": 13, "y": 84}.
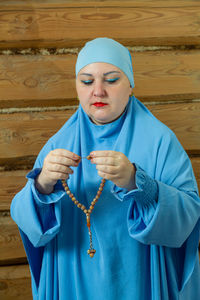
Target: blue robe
{"x": 146, "y": 240}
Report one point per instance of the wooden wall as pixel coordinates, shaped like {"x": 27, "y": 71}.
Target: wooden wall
{"x": 39, "y": 42}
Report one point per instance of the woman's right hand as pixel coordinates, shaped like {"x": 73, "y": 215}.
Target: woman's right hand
{"x": 56, "y": 166}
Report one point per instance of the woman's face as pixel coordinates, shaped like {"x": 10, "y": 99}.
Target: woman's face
{"x": 103, "y": 91}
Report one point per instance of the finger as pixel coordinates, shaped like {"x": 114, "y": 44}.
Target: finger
{"x": 109, "y": 161}
{"x": 106, "y": 175}
{"x": 62, "y": 160}
{"x": 111, "y": 170}
{"x": 58, "y": 175}
{"x": 65, "y": 153}
{"x": 105, "y": 153}
{"x": 59, "y": 168}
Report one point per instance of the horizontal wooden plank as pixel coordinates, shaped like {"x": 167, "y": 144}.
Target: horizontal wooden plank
{"x": 27, "y": 132}
{"x": 196, "y": 167}
{"x": 13, "y": 181}
{"x": 50, "y": 80}
{"x": 166, "y": 75}
{"x": 184, "y": 120}
{"x": 13, "y": 4}
{"x": 37, "y": 80}
{"x": 15, "y": 283}
{"x": 11, "y": 247}
{"x": 70, "y": 24}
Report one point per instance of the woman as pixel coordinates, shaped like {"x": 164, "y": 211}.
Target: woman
{"x": 145, "y": 226}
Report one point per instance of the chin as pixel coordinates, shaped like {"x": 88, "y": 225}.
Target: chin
{"x": 101, "y": 121}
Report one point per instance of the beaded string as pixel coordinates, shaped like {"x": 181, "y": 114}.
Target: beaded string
{"x": 87, "y": 212}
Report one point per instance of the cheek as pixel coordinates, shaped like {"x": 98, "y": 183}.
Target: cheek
{"x": 123, "y": 96}
{"x": 84, "y": 100}
{"x": 82, "y": 94}
{"x": 83, "y": 91}
{"x": 122, "y": 100}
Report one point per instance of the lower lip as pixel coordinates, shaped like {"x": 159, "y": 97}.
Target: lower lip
{"x": 100, "y": 104}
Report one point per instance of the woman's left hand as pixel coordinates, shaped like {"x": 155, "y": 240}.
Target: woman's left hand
{"x": 115, "y": 166}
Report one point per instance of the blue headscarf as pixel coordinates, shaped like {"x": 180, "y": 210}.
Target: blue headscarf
{"x": 108, "y": 51}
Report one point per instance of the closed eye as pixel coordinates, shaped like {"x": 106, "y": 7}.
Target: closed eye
{"x": 87, "y": 82}
{"x": 112, "y": 80}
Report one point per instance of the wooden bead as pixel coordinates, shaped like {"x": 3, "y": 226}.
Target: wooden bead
{"x": 90, "y": 252}
{"x": 102, "y": 183}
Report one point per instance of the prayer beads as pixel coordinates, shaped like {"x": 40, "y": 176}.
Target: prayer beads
{"x": 87, "y": 212}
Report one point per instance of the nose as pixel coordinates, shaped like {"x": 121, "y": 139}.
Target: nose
{"x": 99, "y": 89}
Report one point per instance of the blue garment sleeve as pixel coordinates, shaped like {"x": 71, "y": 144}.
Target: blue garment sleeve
{"x": 163, "y": 210}
{"x": 38, "y": 217}
{"x": 36, "y": 214}
{"x": 145, "y": 196}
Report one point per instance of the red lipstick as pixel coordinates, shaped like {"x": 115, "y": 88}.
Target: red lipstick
{"x": 99, "y": 104}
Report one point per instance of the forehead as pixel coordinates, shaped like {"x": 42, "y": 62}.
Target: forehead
{"x": 99, "y": 68}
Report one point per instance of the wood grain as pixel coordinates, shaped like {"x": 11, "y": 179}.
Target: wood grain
{"x": 184, "y": 121}
{"x": 50, "y": 80}
{"x": 15, "y": 283}
{"x": 11, "y": 247}
{"x": 24, "y": 134}
{"x": 12, "y": 4}
{"x": 70, "y": 24}
{"x": 196, "y": 167}
{"x": 37, "y": 80}
{"x": 11, "y": 182}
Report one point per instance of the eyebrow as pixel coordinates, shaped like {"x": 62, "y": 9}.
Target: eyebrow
{"x": 108, "y": 73}
{"x": 105, "y": 74}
